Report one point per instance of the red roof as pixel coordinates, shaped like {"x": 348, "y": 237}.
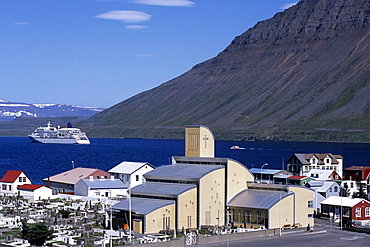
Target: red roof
{"x": 10, "y": 176}
{"x": 29, "y": 187}
{"x": 297, "y": 177}
{"x": 361, "y": 168}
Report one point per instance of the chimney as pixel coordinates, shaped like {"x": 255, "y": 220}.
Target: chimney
{"x": 91, "y": 178}
{"x": 111, "y": 177}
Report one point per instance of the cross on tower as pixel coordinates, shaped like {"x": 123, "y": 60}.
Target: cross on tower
{"x": 205, "y": 141}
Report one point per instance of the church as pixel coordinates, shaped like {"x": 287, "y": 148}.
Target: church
{"x": 201, "y": 190}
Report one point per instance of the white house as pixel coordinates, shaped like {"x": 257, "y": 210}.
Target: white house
{"x": 35, "y": 192}
{"x": 350, "y": 186}
{"x": 323, "y": 189}
{"x": 322, "y": 174}
{"x": 131, "y": 173}
{"x": 301, "y": 164}
{"x": 11, "y": 180}
{"x": 96, "y": 188}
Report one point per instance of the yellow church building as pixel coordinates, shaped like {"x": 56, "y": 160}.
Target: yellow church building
{"x": 200, "y": 190}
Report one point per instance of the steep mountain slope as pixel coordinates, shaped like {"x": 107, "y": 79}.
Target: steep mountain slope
{"x": 301, "y": 75}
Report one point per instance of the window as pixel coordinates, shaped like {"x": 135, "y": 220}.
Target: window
{"x": 20, "y": 179}
{"x": 358, "y": 212}
{"x": 367, "y": 212}
{"x": 4, "y": 186}
{"x": 346, "y": 211}
{"x": 10, "y": 187}
{"x": 24, "y": 179}
{"x": 310, "y": 204}
{"x": 335, "y": 189}
{"x": 137, "y": 177}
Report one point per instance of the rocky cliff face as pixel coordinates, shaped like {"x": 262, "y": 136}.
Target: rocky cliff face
{"x": 306, "y": 66}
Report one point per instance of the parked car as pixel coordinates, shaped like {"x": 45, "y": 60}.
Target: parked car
{"x": 348, "y": 223}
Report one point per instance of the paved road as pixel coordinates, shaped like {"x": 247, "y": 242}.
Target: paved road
{"x": 324, "y": 234}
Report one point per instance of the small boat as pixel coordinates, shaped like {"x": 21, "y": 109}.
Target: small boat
{"x": 57, "y": 135}
{"x": 236, "y": 147}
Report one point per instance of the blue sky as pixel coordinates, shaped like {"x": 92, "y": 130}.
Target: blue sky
{"x": 101, "y": 52}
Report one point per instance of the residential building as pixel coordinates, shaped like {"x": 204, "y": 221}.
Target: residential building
{"x": 98, "y": 188}
{"x": 281, "y": 179}
{"x": 267, "y": 175}
{"x": 323, "y": 189}
{"x": 298, "y": 180}
{"x": 346, "y": 208}
{"x": 35, "y": 192}
{"x": 349, "y": 187}
{"x": 131, "y": 173}
{"x": 321, "y": 174}
{"x": 11, "y": 180}
{"x": 301, "y": 164}
{"x": 357, "y": 173}
{"x": 65, "y": 182}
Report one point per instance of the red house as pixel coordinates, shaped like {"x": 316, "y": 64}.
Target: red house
{"x": 336, "y": 207}
{"x": 357, "y": 173}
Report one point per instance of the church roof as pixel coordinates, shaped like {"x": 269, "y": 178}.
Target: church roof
{"x": 162, "y": 189}
{"x": 182, "y": 172}
{"x": 257, "y": 199}
{"x": 142, "y": 206}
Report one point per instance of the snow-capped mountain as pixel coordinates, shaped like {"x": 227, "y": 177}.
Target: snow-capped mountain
{"x": 10, "y": 110}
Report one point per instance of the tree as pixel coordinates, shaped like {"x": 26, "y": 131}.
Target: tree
{"x": 344, "y": 191}
{"x": 65, "y": 213}
{"x": 361, "y": 192}
{"x": 36, "y": 234}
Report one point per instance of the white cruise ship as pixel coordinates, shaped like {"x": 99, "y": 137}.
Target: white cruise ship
{"x": 66, "y": 135}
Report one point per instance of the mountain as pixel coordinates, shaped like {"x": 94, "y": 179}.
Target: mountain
{"x": 12, "y": 110}
{"x": 301, "y": 75}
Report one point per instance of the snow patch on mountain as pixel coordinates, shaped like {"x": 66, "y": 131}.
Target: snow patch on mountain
{"x": 10, "y": 110}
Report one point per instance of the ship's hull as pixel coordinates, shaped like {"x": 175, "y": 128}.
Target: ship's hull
{"x": 58, "y": 140}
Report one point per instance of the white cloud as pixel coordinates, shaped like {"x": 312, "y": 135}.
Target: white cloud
{"x": 172, "y": 3}
{"x": 136, "y": 27}
{"x": 127, "y": 16}
{"x": 288, "y": 5}
{"x": 21, "y": 23}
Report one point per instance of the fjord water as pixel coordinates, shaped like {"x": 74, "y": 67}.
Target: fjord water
{"x": 40, "y": 161}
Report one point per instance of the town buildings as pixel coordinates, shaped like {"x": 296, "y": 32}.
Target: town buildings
{"x": 200, "y": 190}
{"x": 65, "y": 181}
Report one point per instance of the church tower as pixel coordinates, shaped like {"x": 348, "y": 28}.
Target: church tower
{"x": 199, "y": 142}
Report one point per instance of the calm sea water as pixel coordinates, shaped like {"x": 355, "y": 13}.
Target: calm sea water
{"x": 40, "y": 161}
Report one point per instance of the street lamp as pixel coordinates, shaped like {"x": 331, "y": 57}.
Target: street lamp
{"x": 261, "y": 170}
